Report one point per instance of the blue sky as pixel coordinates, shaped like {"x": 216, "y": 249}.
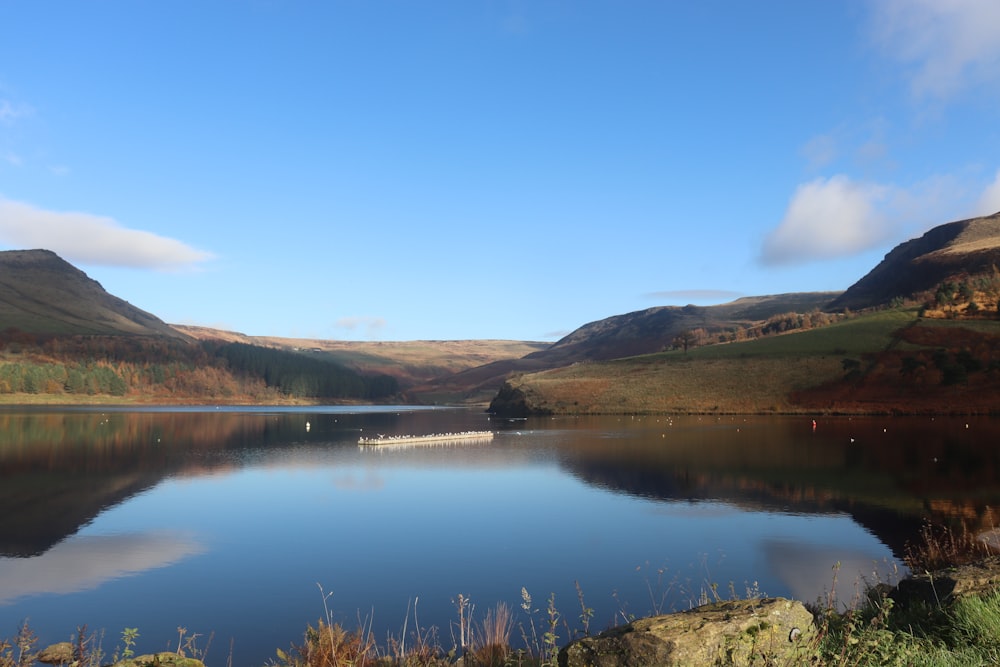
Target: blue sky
{"x": 451, "y": 169}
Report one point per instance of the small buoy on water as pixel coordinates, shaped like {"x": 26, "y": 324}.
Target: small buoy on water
{"x": 308, "y": 426}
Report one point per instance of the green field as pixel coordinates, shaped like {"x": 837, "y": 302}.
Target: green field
{"x": 855, "y": 336}
{"x": 756, "y": 376}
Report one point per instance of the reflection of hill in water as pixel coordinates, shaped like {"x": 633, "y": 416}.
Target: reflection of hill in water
{"x": 889, "y": 475}
{"x": 59, "y": 469}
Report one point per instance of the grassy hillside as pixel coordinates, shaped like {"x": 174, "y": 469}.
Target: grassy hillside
{"x": 42, "y": 293}
{"x": 854, "y": 365}
{"x": 36, "y": 368}
{"x": 965, "y": 248}
{"x": 428, "y": 371}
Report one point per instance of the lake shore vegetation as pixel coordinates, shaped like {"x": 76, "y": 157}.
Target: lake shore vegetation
{"x": 875, "y": 627}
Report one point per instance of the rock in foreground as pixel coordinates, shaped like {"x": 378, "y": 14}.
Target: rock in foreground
{"x": 62, "y": 654}
{"x": 772, "y": 631}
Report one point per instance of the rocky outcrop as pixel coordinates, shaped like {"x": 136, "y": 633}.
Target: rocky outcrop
{"x": 966, "y": 247}
{"x": 512, "y": 401}
{"x": 740, "y": 632}
{"x": 56, "y": 654}
{"x": 944, "y": 586}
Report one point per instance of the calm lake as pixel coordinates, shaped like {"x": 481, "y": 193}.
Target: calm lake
{"x": 226, "y": 522}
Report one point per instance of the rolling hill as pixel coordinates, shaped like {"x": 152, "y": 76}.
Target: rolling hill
{"x": 42, "y": 293}
{"x": 950, "y": 251}
{"x": 44, "y": 299}
{"x": 949, "y": 273}
{"x": 942, "y": 353}
{"x": 417, "y": 365}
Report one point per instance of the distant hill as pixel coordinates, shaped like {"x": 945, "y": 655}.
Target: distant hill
{"x": 640, "y": 332}
{"x": 42, "y": 293}
{"x": 956, "y": 249}
{"x": 416, "y": 364}
{"x": 655, "y": 329}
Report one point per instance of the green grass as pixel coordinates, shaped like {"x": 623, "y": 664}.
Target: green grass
{"x": 855, "y": 336}
{"x": 965, "y": 632}
{"x": 761, "y": 376}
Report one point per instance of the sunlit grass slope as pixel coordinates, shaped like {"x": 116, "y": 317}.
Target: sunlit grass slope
{"x": 747, "y": 377}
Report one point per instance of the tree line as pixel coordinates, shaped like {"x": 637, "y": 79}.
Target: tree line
{"x": 296, "y": 374}
{"x": 776, "y": 324}
{"x": 154, "y": 367}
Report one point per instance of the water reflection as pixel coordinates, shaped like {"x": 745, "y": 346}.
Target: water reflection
{"x": 100, "y": 509}
{"x": 86, "y": 562}
{"x": 890, "y": 474}
{"x": 801, "y": 565}
{"x": 60, "y": 468}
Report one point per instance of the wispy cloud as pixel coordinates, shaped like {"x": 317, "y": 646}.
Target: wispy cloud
{"x": 92, "y": 239}
{"x": 828, "y": 218}
{"x": 11, "y": 111}
{"x": 372, "y": 326}
{"x": 948, "y": 44}
{"x": 989, "y": 201}
{"x": 689, "y": 295}
{"x": 820, "y": 151}
{"x": 859, "y": 144}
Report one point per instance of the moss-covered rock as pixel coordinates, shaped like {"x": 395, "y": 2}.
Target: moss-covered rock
{"x": 164, "y": 659}
{"x": 738, "y": 632}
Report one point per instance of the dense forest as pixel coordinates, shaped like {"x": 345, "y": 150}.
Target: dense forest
{"x": 146, "y": 367}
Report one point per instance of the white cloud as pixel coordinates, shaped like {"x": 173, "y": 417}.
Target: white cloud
{"x": 951, "y": 44}
{"x": 989, "y": 201}
{"x": 828, "y": 218}
{"x": 372, "y": 325}
{"x": 91, "y": 239}
{"x": 556, "y": 335}
{"x": 837, "y": 217}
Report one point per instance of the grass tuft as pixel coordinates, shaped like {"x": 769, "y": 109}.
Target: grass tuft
{"x": 939, "y": 547}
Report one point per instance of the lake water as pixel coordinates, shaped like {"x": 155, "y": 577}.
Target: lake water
{"x": 228, "y": 522}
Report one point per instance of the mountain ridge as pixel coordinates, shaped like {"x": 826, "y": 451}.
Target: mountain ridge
{"x": 42, "y": 293}
{"x": 967, "y": 246}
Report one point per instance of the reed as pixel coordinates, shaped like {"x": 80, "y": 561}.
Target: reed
{"x": 940, "y": 546}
